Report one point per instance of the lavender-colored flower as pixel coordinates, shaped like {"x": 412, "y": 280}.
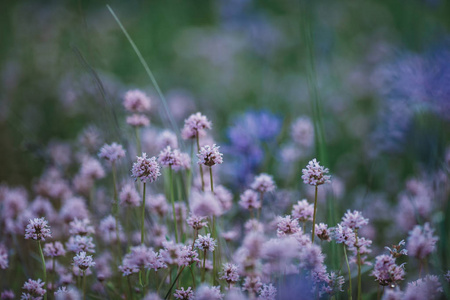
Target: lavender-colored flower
{"x": 252, "y": 284}
{"x": 81, "y": 227}
{"x": 107, "y": 229}
{"x": 146, "y": 169}
{"x": 311, "y": 257}
{"x": 64, "y": 293}
{"x": 157, "y": 204}
{"x": 79, "y": 243}
{"x": 315, "y": 174}
{"x": 196, "y": 222}
{"x": 128, "y": 196}
{"x": 83, "y": 261}
{"x": 343, "y": 234}
{"x": 14, "y": 202}
{"x": 136, "y": 101}
{"x": 287, "y": 226}
{"x": 169, "y": 158}
{"x": 333, "y": 284}
{"x": 250, "y": 200}
{"x": 253, "y": 225}
{"x": 303, "y": 211}
{"x": 167, "y": 138}
{"x": 394, "y": 294}
{"x": 224, "y": 196}
{"x": 263, "y": 183}
{"x": 210, "y": 156}
{"x": 38, "y": 229}
{"x": 280, "y": 250}
{"x": 137, "y": 120}
{"x": 205, "y": 204}
{"x": 205, "y": 292}
{"x": 3, "y": 257}
{"x": 194, "y": 126}
{"x": 205, "y": 243}
{"x": 171, "y": 252}
{"x": 141, "y": 257}
{"x": 267, "y": 292}
{"x": 91, "y": 168}
{"x": 354, "y": 220}
{"x": 54, "y": 249}
{"x": 302, "y": 132}
{"x": 230, "y": 273}
{"x": 322, "y": 232}
{"x": 111, "y": 152}
{"x": 421, "y": 241}
{"x": 73, "y": 208}
{"x": 187, "y": 256}
{"x": 386, "y": 272}
{"x": 42, "y": 207}
{"x": 183, "y": 294}
{"x": 34, "y": 289}
{"x": 397, "y": 250}
{"x": 428, "y": 287}
{"x": 7, "y": 295}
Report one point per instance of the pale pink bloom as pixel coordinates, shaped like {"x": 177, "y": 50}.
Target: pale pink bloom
{"x": 136, "y": 101}
{"x": 205, "y": 204}
{"x": 137, "y": 120}
{"x": 196, "y": 222}
{"x": 263, "y": 183}
{"x": 354, "y": 220}
{"x": 54, "y": 249}
{"x": 145, "y": 169}
{"x": 112, "y": 153}
{"x": 205, "y": 243}
{"x": 80, "y": 243}
{"x": 183, "y": 294}
{"x": 287, "y": 226}
{"x": 129, "y": 196}
{"x": 252, "y": 284}
{"x": 322, "y": 232}
{"x": 267, "y": 292}
{"x": 73, "y": 208}
{"x": 250, "y": 200}
{"x": 167, "y": 138}
{"x": 34, "y": 289}
{"x": 210, "y": 156}
{"x": 311, "y": 257}
{"x": 7, "y": 295}
{"x": 63, "y": 293}
{"x": 157, "y": 204}
{"x": 230, "y": 273}
{"x": 83, "y": 261}
{"x": 81, "y": 227}
{"x": 428, "y": 287}
{"x": 194, "y": 126}
{"x": 90, "y": 167}
{"x": 107, "y": 229}
{"x": 253, "y": 243}
{"x": 224, "y": 196}
{"x": 315, "y": 174}
{"x": 386, "y": 272}
{"x": 42, "y": 207}
{"x": 421, "y": 241}
{"x": 169, "y": 158}
{"x": 38, "y": 229}
{"x": 303, "y": 211}
{"x": 187, "y": 256}
{"x": 205, "y": 292}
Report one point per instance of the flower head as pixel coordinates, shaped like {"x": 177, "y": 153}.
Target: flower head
{"x": 194, "y": 126}
{"x": 322, "y": 232}
{"x": 230, "y": 273}
{"x": 205, "y": 292}
{"x": 83, "y": 261}
{"x": 145, "y": 169}
{"x": 303, "y": 211}
{"x": 80, "y": 227}
{"x": 209, "y": 156}
{"x": 249, "y": 200}
{"x": 183, "y": 294}
{"x": 54, "y": 249}
{"x": 263, "y": 183}
{"x": 111, "y": 152}
{"x": 136, "y": 101}
{"x": 205, "y": 242}
{"x": 167, "y": 138}
{"x": 421, "y": 241}
{"x": 267, "y": 292}
{"x": 302, "y": 132}
{"x": 196, "y": 222}
{"x": 354, "y": 220}
{"x": 129, "y": 196}
{"x": 3, "y": 257}
{"x": 386, "y": 272}
{"x": 137, "y": 120}
{"x": 38, "y": 229}
{"x": 169, "y": 158}
{"x": 80, "y": 243}
{"x": 286, "y": 226}
{"x": 34, "y": 289}
{"x": 315, "y": 174}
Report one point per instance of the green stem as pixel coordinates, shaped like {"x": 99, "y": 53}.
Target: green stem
{"x": 54, "y": 274}
{"x": 211, "y": 179}
{"x": 129, "y": 287}
{"x": 138, "y": 140}
{"x": 116, "y": 211}
{"x": 200, "y": 166}
{"x": 176, "y": 279}
{"x": 204, "y": 266}
{"x": 172, "y": 199}
{"x": 143, "y": 215}
{"x": 43, "y": 269}
{"x": 349, "y": 275}
{"x": 314, "y": 216}
{"x": 193, "y": 277}
{"x": 84, "y": 284}
{"x": 358, "y": 262}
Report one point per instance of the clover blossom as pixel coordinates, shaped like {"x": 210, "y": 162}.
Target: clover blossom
{"x": 38, "y": 229}
{"x": 145, "y": 169}
{"x": 315, "y": 174}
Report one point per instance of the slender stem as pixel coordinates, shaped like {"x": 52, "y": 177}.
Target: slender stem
{"x": 176, "y": 278}
{"x": 129, "y": 288}
{"x": 193, "y": 277}
{"x": 138, "y": 140}
{"x": 204, "y": 265}
{"x": 43, "y": 268}
{"x": 116, "y": 211}
{"x": 54, "y": 273}
{"x": 211, "y": 179}
{"x": 214, "y": 252}
{"x": 172, "y": 199}
{"x": 84, "y": 284}
{"x": 143, "y": 215}
{"x": 358, "y": 262}
{"x": 349, "y": 275}
{"x": 314, "y": 216}
{"x": 162, "y": 280}
{"x": 200, "y": 166}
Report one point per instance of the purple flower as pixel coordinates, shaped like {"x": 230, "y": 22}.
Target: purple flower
{"x": 421, "y": 241}
{"x": 63, "y": 293}
{"x": 83, "y": 261}
{"x": 315, "y": 174}
{"x": 395, "y": 251}
{"x": 92, "y": 169}
{"x": 3, "y": 257}
{"x": 303, "y": 211}
{"x": 263, "y": 183}
{"x": 230, "y": 273}
{"x": 386, "y": 272}
{"x": 80, "y": 243}
{"x": 137, "y": 120}
{"x": 250, "y": 200}
{"x": 182, "y": 294}
{"x": 146, "y": 169}
{"x": 354, "y": 220}
{"x": 73, "y": 208}
{"x": 81, "y": 227}
{"x": 302, "y": 132}
{"x": 111, "y": 152}
{"x": 38, "y": 229}
{"x": 129, "y": 196}
{"x": 7, "y": 295}
{"x": 107, "y": 229}
{"x": 169, "y": 158}
{"x": 252, "y": 284}
{"x": 287, "y": 226}
{"x": 322, "y": 232}
{"x": 205, "y": 242}
{"x": 311, "y": 257}
{"x": 209, "y": 156}
{"x": 136, "y": 101}
{"x": 167, "y": 138}
{"x": 187, "y": 256}
{"x": 424, "y": 288}
{"x": 157, "y": 204}
{"x": 205, "y": 204}
{"x": 194, "y": 126}
{"x": 224, "y": 196}
{"x": 343, "y": 234}
{"x": 141, "y": 257}
{"x": 54, "y": 249}
{"x": 267, "y": 292}
{"x": 33, "y": 289}
{"x": 196, "y": 222}
{"x": 205, "y": 292}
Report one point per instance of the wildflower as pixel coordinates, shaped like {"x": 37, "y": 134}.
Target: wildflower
{"x": 92, "y": 169}
{"x": 143, "y": 257}
{"x": 157, "y": 204}
{"x": 333, "y": 284}
{"x": 194, "y": 126}
{"x": 54, "y": 249}
{"x": 230, "y": 273}
{"x": 302, "y": 132}
{"x": 196, "y": 222}
{"x": 428, "y": 287}
{"x": 205, "y": 204}
{"x": 187, "y": 256}
{"x": 205, "y": 242}
{"x": 322, "y": 232}
{"x": 386, "y": 272}
{"x": 205, "y": 292}
{"x": 315, "y": 174}
{"x": 83, "y": 261}
{"x": 107, "y": 228}
{"x": 421, "y": 241}
{"x": 81, "y": 227}
{"x": 267, "y": 292}
{"x": 63, "y": 293}
{"x": 303, "y": 211}
{"x": 38, "y": 229}
{"x": 33, "y": 289}
{"x": 182, "y": 294}
{"x": 395, "y": 251}
{"x": 209, "y": 156}
{"x": 343, "y": 234}
{"x": 253, "y": 225}
{"x": 252, "y": 284}
{"x": 3, "y": 257}
{"x": 167, "y": 138}
{"x": 146, "y": 169}
{"x": 394, "y": 294}
{"x": 169, "y": 158}
{"x": 129, "y": 196}
{"x": 263, "y": 183}
{"x": 80, "y": 243}
{"x": 136, "y": 101}
{"x": 249, "y": 200}
{"x": 137, "y": 120}
{"x": 111, "y": 152}
{"x": 354, "y": 220}
{"x": 287, "y": 226}
{"x": 7, "y": 295}
{"x": 311, "y": 257}
{"x": 74, "y": 208}
{"x": 280, "y": 249}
